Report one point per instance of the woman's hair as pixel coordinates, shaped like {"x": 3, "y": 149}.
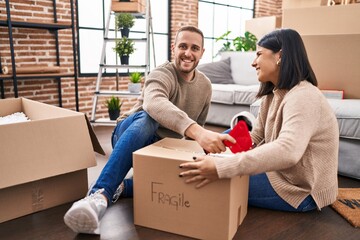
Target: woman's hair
{"x": 294, "y": 66}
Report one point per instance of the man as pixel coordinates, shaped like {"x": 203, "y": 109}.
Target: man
{"x": 174, "y": 103}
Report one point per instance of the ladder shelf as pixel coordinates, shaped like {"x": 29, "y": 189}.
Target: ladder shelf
{"x": 103, "y": 65}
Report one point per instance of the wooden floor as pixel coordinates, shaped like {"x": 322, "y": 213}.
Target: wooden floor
{"x": 118, "y": 220}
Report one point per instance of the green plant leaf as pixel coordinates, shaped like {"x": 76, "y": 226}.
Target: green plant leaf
{"x": 241, "y": 43}
{"x": 124, "y": 20}
{"x": 113, "y": 103}
{"x": 135, "y": 77}
{"x": 124, "y": 47}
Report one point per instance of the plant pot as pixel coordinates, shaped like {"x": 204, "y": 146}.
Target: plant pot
{"x": 125, "y": 32}
{"x": 114, "y": 114}
{"x": 134, "y": 87}
{"x": 124, "y": 60}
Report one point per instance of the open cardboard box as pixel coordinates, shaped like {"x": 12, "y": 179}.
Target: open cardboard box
{"x": 43, "y": 162}
{"x": 163, "y": 201}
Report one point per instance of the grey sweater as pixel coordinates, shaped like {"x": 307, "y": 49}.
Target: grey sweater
{"x": 173, "y": 102}
{"x": 297, "y": 141}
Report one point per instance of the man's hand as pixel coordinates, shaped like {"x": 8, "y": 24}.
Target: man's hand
{"x": 203, "y": 170}
{"x": 210, "y": 141}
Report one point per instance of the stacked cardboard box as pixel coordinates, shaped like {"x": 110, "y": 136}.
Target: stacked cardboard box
{"x": 331, "y": 36}
{"x": 262, "y": 25}
{"x": 43, "y": 162}
{"x": 303, "y": 3}
{"x": 163, "y": 201}
{"x": 133, "y": 6}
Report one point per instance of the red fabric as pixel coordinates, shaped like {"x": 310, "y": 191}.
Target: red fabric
{"x": 242, "y": 136}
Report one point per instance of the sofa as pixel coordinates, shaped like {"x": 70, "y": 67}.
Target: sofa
{"x": 235, "y": 86}
{"x": 234, "y": 83}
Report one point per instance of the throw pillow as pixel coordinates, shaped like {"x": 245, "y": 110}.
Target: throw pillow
{"x": 242, "y": 71}
{"x": 218, "y": 72}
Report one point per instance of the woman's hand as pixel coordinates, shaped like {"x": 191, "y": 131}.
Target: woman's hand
{"x": 203, "y": 170}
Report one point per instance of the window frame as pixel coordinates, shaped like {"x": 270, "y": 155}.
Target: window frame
{"x": 102, "y": 29}
{"x": 212, "y": 38}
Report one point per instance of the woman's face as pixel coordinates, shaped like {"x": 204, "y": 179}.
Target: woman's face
{"x": 267, "y": 65}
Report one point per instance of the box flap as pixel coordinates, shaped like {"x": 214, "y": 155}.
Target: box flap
{"x": 180, "y": 145}
{"x": 10, "y": 106}
{"x": 42, "y": 111}
{"x": 95, "y": 142}
{"x": 186, "y": 146}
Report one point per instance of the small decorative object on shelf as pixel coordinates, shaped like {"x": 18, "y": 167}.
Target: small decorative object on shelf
{"x": 134, "y": 85}
{"x": 124, "y": 47}
{"x": 133, "y": 6}
{"x": 123, "y": 22}
{"x": 113, "y": 105}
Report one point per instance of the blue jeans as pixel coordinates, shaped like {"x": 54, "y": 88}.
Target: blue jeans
{"x": 135, "y": 132}
{"x": 262, "y": 194}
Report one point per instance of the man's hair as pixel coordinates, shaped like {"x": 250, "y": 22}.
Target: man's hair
{"x": 294, "y": 67}
{"x": 190, "y": 29}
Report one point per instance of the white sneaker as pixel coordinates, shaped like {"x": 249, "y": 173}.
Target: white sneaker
{"x": 84, "y": 215}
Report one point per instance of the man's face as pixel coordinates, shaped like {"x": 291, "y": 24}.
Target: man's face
{"x": 188, "y": 50}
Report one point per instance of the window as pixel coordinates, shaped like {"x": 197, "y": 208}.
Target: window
{"x": 92, "y": 18}
{"x": 224, "y": 15}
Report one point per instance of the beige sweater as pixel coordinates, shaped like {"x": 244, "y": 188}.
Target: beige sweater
{"x": 298, "y": 140}
{"x": 173, "y": 102}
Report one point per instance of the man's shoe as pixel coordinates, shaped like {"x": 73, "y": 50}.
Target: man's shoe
{"x": 84, "y": 215}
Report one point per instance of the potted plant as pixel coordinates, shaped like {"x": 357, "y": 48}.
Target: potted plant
{"x": 134, "y": 85}
{"x": 123, "y": 22}
{"x": 124, "y": 47}
{"x": 244, "y": 43}
{"x": 113, "y": 105}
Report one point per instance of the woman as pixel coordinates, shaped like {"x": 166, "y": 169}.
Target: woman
{"x": 293, "y": 163}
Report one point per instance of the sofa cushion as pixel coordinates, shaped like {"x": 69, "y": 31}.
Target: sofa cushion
{"x": 242, "y": 71}
{"x": 347, "y": 112}
{"x": 218, "y": 72}
{"x": 234, "y": 94}
{"x": 245, "y": 94}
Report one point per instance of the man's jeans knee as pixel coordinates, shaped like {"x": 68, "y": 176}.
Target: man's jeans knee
{"x": 141, "y": 122}
{"x": 136, "y": 131}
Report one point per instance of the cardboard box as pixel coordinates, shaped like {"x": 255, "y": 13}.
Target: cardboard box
{"x": 262, "y": 25}
{"x": 43, "y": 162}
{"x": 340, "y": 19}
{"x": 134, "y": 6}
{"x": 163, "y": 201}
{"x": 303, "y": 3}
{"x": 335, "y": 61}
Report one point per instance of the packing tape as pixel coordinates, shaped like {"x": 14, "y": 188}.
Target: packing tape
{"x": 244, "y": 115}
